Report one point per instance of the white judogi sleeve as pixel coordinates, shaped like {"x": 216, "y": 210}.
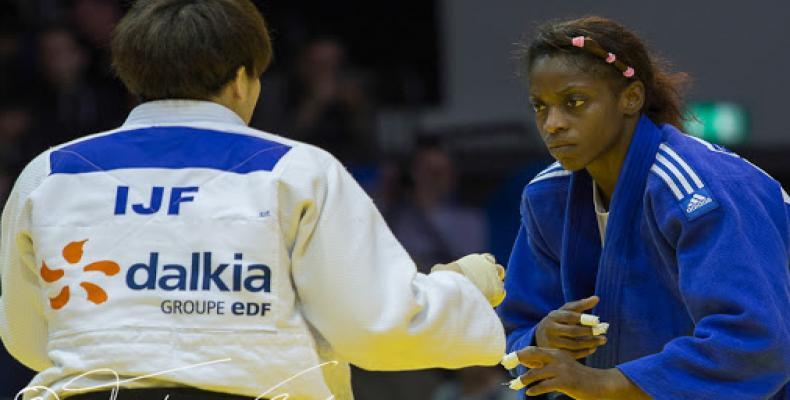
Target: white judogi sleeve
{"x": 361, "y": 290}
{"x": 22, "y": 324}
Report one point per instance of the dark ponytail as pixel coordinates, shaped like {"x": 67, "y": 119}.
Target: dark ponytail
{"x": 663, "y": 90}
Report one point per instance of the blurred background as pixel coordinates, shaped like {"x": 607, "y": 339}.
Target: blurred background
{"x": 419, "y": 99}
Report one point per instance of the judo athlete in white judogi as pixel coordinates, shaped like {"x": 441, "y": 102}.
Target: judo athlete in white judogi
{"x": 185, "y": 249}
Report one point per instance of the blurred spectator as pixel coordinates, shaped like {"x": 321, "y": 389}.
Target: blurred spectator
{"x": 503, "y": 209}
{"x": 62, "y": 58}
{"x": 96, "y": 19}
{"x": 67, "y": 103}
{"x": 429, "y": 223}
{"x": 15, "y": 124}
{"x": 323, "y": 102}
{"x": 433, "y": 229}
{"x": 387, "y": 188}
{"x": 477, "y": 383}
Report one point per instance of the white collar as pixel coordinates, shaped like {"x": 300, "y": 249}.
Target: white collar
{"x": 181, "y": 111}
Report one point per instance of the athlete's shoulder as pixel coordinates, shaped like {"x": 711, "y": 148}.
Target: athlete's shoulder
{"x": 43, "y": 161}
{"x": 301, "y": 149}
{"x": 552, "y": 175}
{"x": 548, "y": 188}
{"x": 697, "y": 175}
{"x": 224, "y": 147}
{"x": 709, "y": 159}
{"x": 302, "y": 155}
{"x": 34, "y": 173}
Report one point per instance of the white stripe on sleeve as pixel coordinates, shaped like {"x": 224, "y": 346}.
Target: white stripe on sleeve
{"x": 550, "y": 175}
{"x": 683, "y": 164}
{"x": 663, "y": 175}
{"x": 679, "y": 175}
{"x": 551, "y": 168}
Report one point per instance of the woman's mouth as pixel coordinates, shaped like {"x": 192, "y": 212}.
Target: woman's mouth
{"x": 561, "y": 148}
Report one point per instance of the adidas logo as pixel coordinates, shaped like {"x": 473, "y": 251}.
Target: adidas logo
{"x": 697, "y": 201}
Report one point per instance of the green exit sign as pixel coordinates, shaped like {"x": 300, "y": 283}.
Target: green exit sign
{"x": 717, "y": 122}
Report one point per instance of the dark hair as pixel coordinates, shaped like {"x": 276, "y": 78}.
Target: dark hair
{"x": 188, "y": 48}
{"x": 663, "y": 90}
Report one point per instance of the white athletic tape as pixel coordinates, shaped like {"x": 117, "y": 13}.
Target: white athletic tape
{"x": 600, "y": 329}
{"x": 590, "y": 320}
{"x": 516, "y": 384}
{"x": 510, "y": 360}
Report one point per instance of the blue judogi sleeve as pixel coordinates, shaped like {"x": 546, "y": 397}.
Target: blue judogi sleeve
{"x": 532, "y": 283}
{"x": 732, "y": 272}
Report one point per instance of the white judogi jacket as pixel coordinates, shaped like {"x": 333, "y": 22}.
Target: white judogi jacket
{"x": 186, "y": 249}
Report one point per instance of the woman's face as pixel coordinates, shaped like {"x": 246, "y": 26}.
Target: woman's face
{"x": 577, "y": 112}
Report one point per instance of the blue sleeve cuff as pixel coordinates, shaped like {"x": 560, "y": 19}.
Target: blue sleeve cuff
{"x": 645, "y": 376}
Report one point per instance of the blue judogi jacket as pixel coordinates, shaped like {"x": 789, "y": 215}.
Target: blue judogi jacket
{"x": 694, "y": 275}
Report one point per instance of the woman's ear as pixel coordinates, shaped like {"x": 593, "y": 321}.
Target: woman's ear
{"x": 632, "y": 98}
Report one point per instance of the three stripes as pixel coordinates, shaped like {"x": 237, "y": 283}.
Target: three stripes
{"x": 669, "y": 166}
{"x": 553, "y": 171}
{"x": 666, "y": 167}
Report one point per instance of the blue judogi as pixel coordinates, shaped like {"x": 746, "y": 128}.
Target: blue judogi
{"x": 693, "y": 276}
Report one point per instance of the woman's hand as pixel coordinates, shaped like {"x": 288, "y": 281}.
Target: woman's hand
{"x": 557, "y": 371}
{"x": 562, "y": 329}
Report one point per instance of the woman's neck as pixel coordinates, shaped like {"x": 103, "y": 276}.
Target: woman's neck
{"x": 606, "y": 169}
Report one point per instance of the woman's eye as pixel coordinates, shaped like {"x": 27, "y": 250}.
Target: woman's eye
{"x": 574, "y": 103}
{"x": 538, "y": 107}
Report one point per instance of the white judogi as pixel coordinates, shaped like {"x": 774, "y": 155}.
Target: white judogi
{"x": 200, "y": 252}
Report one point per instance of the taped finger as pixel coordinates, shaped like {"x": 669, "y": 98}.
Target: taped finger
{"x": 529, "y": 378}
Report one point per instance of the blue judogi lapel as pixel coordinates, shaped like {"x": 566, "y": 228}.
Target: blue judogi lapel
{"x": 584, "y": 263}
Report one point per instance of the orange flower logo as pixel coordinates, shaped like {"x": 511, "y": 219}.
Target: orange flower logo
{"x": 72, "y": 253}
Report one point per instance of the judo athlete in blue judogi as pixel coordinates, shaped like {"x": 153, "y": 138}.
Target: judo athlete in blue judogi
{"x": 681, "y": 246}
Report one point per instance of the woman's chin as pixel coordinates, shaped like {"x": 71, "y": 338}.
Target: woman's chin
{"x": 570, "y": 164}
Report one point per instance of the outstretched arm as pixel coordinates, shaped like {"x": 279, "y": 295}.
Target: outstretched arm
{"x": 361, "y": 290}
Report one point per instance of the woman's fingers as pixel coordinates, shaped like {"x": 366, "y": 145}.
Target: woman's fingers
{"x": 534, "y": 357}
{"x": 567, "y": 317}
{"x": 581, "y": 304}
{"x": 572, "y": 331}
{"x": 579, "y": 354}
{"x": 574, "y": 344}
{"x": 535, "y": 375}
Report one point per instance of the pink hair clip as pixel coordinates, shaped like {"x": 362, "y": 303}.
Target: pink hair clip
{"x": 629, "y": 72}
{"x": 578, "y": 41}
{"x": 610, "y": 58}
